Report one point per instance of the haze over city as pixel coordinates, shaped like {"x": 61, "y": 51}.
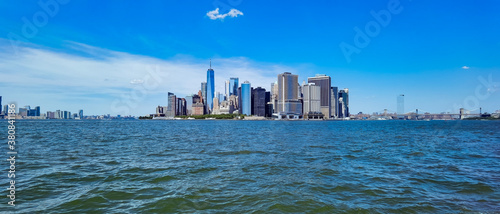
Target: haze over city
{"x": 436, "y": 53}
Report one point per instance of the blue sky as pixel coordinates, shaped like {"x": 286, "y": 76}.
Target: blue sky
{"x": 95, "y": 55}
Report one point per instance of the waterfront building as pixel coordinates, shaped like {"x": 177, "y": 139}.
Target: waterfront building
{"x": 216, "y": 106}
{"x": 5, "y": 109}
{"x": 180, "y": 107}
{"x": 210, "y": 88}
{"x": 198, "y": 109}
{"x": 161, "y": 111}
{"x": 334, "y": 93}
{"x": 51, "y": 115}
{"x": 324, "y": 82}
{"x": 259, "y": 102}
{"x": 233, "y": 86}
{"x": 0, "y": 104}
{"x": 172, "y": 103}
{"x": 204, "y": 92}
{"x": 312, "y": 101}
{"x": 226, "y": 90}
{"x": 246, "y": 98}
{"x": 23, "y": 112}
{"x": 189, "y": 104}
{"x": 344, "y": 103}
{"x": 289, "y": 105}
{"x": 80, "y": 113}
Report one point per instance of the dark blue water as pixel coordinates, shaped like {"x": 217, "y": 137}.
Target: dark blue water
{"x": 256, "y": 166}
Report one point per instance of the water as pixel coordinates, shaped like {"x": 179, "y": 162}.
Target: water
{"x": 256, "y": 166}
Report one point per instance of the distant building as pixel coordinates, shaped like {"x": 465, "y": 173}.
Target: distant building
{"x": 401, "y": 104}
{"x": 161, "y": 111}
{"x": 312, "y": 101}
{"x": 210, "y": 88}
{"x": 289, "y": 105}
{"x": 344, "y": 103}
{"x": 0, "y": 104}
{"x": 51, "y": 115}
{"x": 259, "y": 102}
{"x": 80, "y": 113}
{"x": 172, "y": 103}
{"x": 233, "y": 86}
{"x": 246, "y": 98}
{"x": 189, "y": 104}
{"x": 227, "y": 89}
{"x": 324, "y": 82}
{"x": 198, "y": 109}
{"x": 204, "y": 92}
{"x": 334, "y": 102}
{"x": 180, "y": 107}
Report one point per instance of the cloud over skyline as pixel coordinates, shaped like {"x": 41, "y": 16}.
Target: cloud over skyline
{"x": 214, "y": 14}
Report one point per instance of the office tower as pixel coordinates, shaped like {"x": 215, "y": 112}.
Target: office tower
{"x": 344, "y": 103}
{"x": 58, "y": 114}
{"x": 274, "y": 96}
{"x": 233, "y": 86}
{"x": 401, "y": 104}
{"x": 269, "y": 105}
{"x": 289, "y": 104}
{"x": 204, "y": 92}
{"x": 23, "y": 112}
{"x": 335, "y": 102}
{"x": 189, "y": 104}
{"x": 259, "y": 102}
{"x": 37, "y": 111}
{"x": 0, "y": 104}
{"x": 324, "y": 82}
{"x": 6, "y": 109}
{"x": 51, "y": 115}
{"x": 180, "y": 107}
{"x": 246, "y": 98}
{"x": 210, "y": 88}
{"x": 80, "y": 113}
{"x": 172, "y": 101}
{"x": 221, "y": 97}
{"x": 227, "y": 90}
{"x": 234, "y": 101}
{"x": 215, "y": 110}
{"x": 312, "y": 101}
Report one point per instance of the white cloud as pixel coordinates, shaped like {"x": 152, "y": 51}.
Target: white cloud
{"x": 465, "y": 67}
{"x": 214, "y": 14}
{"x": 95, "y": 79}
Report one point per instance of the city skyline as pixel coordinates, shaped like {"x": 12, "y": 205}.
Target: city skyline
{"x": 439, "y": 64}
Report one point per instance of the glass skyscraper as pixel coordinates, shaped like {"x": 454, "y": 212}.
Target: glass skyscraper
{"x": 233, "y": 86}
{"x": 324, "y": 82}
{"x": 246, "y": 98}
{"x": 210, "y": 88}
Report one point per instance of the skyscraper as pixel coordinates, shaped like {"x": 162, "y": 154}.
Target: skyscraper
{"x": 227, "y": 90}
{"x": 259, "y": 102}
{"x": 189, "y": 105}
{"x": 80, "y": 113}
{"x": 1, "y": 105}
{"x": 288, "y": 99}
{"x": 172, "y": 103}
{"x": 204, "y": 92}
{"x": 335, "y": 102}
{"x": 210, "y": 88}
{"x": 312, "y": 101}
{"x": 246, "y": 98}
{"x": 324, "y": 82}
{"x": 233, "y": 86}
{"x": 344, "y": 103}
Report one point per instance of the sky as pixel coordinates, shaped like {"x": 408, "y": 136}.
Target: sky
{"x": 122, "y": 57}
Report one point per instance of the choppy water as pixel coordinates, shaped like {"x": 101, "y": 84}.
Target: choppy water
{"x": 256, "y": 166}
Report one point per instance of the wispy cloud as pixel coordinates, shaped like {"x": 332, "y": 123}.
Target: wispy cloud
{"x": 54, "y": 79}
{"x": 465, "y": 67}
{"x": 214, "y": 14}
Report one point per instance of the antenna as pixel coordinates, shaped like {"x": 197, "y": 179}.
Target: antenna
{"x": 210, "y": 63}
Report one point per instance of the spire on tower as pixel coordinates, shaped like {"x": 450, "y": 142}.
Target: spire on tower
{"x": 210, "y": 63}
